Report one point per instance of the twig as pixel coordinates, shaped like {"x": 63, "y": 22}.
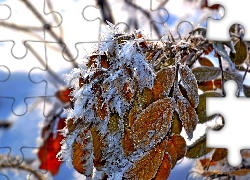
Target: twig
{"x": 147, "y": 14}
{"x": 49, "y": 29}
{"x": 222, "y": 76}
{"x": 5, "y": 124}
{"x": 246, "y": 71}
{"x": 48, "y": 69}
{"x": 106, "y": 11}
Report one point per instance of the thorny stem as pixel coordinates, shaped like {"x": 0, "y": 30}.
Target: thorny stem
{"x": 222, "y": 76}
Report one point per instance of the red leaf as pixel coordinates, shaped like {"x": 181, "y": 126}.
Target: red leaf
{"x": 63, "y": 95}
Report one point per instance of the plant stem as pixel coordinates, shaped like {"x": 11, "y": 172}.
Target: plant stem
{"x": 222, "y": 76}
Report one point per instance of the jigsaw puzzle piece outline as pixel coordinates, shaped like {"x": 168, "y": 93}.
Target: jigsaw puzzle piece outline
{"x": 18, "y": 31}
{"x": 218, "y": 30}
{"x": 1, "y": 10}
{"x": 226, "y": 137}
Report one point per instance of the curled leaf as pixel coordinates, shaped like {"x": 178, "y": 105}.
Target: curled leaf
{"x": 234, "y": 76}
{"x": 206, "y": 73}
{"x": 190, "y": 85}
{"x": 163, "y": 82}
{"x": 187, "y": 115}
{"x": 198, "y": 148}
{"x": 153, "y": 123}
{"x": 241, "y": 53}
{"x": 147, "y": 166}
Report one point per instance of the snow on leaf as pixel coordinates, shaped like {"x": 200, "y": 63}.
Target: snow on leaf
{"x": 163, "y": 82}
{"x": 147, "y": 166}
{"x": 220, "y": 49}
{"x": 236, "y": 77}
{"x": 190, "y": 84}
{"x": 82, "y": 159}
{"x": 206, "y": 73}
{"x": 153, "y": 123}
{"x": 198, "y": 148}
{"x": 187, "y": 115}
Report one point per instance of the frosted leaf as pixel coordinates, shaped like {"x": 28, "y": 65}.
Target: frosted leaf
{"x": 164, "y": 81}
{"x": 236, "y": 77}
{"x": 147, "y": 166}
{"x": 190, "y": 84}
{"x": 153, "y": 123}
{"x": 206, "y": 73}
{"x": 220, "y": 49}
{"x": 187, "y": 115}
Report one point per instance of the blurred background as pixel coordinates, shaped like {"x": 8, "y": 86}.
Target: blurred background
{"x": 42, "y": 40}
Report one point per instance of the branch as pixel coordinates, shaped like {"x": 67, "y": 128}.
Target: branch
{"x": 222, "y": 77}
{"x": 147, "y": 14}
{"x": 106, "y": 11}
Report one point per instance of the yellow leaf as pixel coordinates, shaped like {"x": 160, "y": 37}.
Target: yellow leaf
{"x": 147, "y": 166}
{"x": 146, "y": 98}
{"x": 153, "y": 123}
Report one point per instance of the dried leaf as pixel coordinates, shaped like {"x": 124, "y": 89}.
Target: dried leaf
{"x": 217, "y": 83}
{"x": 176, "y": 124}
{"x": 241, "y": 53}
{"x": 127, "y": 92}
{"x": 198, "y": 148}
{"x": 113, "y": 122}
{"x": 63, "y": 95}
{"x": 163, "y": 82}
{"x": 97, "y": 144}
{"x": 164, "y": 169}
{"x": 72, "y": 124}
{"x": 190, "y": 85}
{"x": 205, "y": 62}
{"x": 180, "y": 145}
{"x": 234, "y": 76}
{"x": 206, "y": 73}
{"x": 147, "y": 166}
{"x": 201, "y": 108}
{"x": 172, "y": 151}
{"x": 219, "y": 154}
{"x": 206, "y": 86}
{"x": 205, "y": 162}
{"x": 187, "y": 115}
{"x": 127, "y": 143}
{"x": 153, "y": 123}
{"x": 146, "y": 98}
{"x": 246, "y": 90}
{"x": 240, "y": 172}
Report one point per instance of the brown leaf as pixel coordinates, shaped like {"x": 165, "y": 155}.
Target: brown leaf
{"x": 79, "y": 154}
{"x": 176, "y": 124}
{"x": 217, "y": 83}
{"x": 205, "y": 162}
{"x": 163, "y": 82}
{"x": 241, "y": 53}
{"x": 97, "y": 144}
{"x": 172, "y": 151}
{"x": 206, "y": 86}
{"x": 201, "y": 108}
{"x": 72, "y": 124}
{"x": 205, "y": 62}
{"x": 206, "y": 73}
{"x": 164, "y": 169}
{"x": 127, "y": 92}
{"x": 127, "y": 143}
{"x": 240, "y": 172}
{"x": 146, "y": 98}
{"x": 180, "y": 145}
{"x": 147, "y": 166}
{"x": 153, "y": 123}
{"x": 198, "y": 148}
{"x": 190, "y": 85}
{"x": 219, "y": 154}
{"x": 187, "y": 115}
